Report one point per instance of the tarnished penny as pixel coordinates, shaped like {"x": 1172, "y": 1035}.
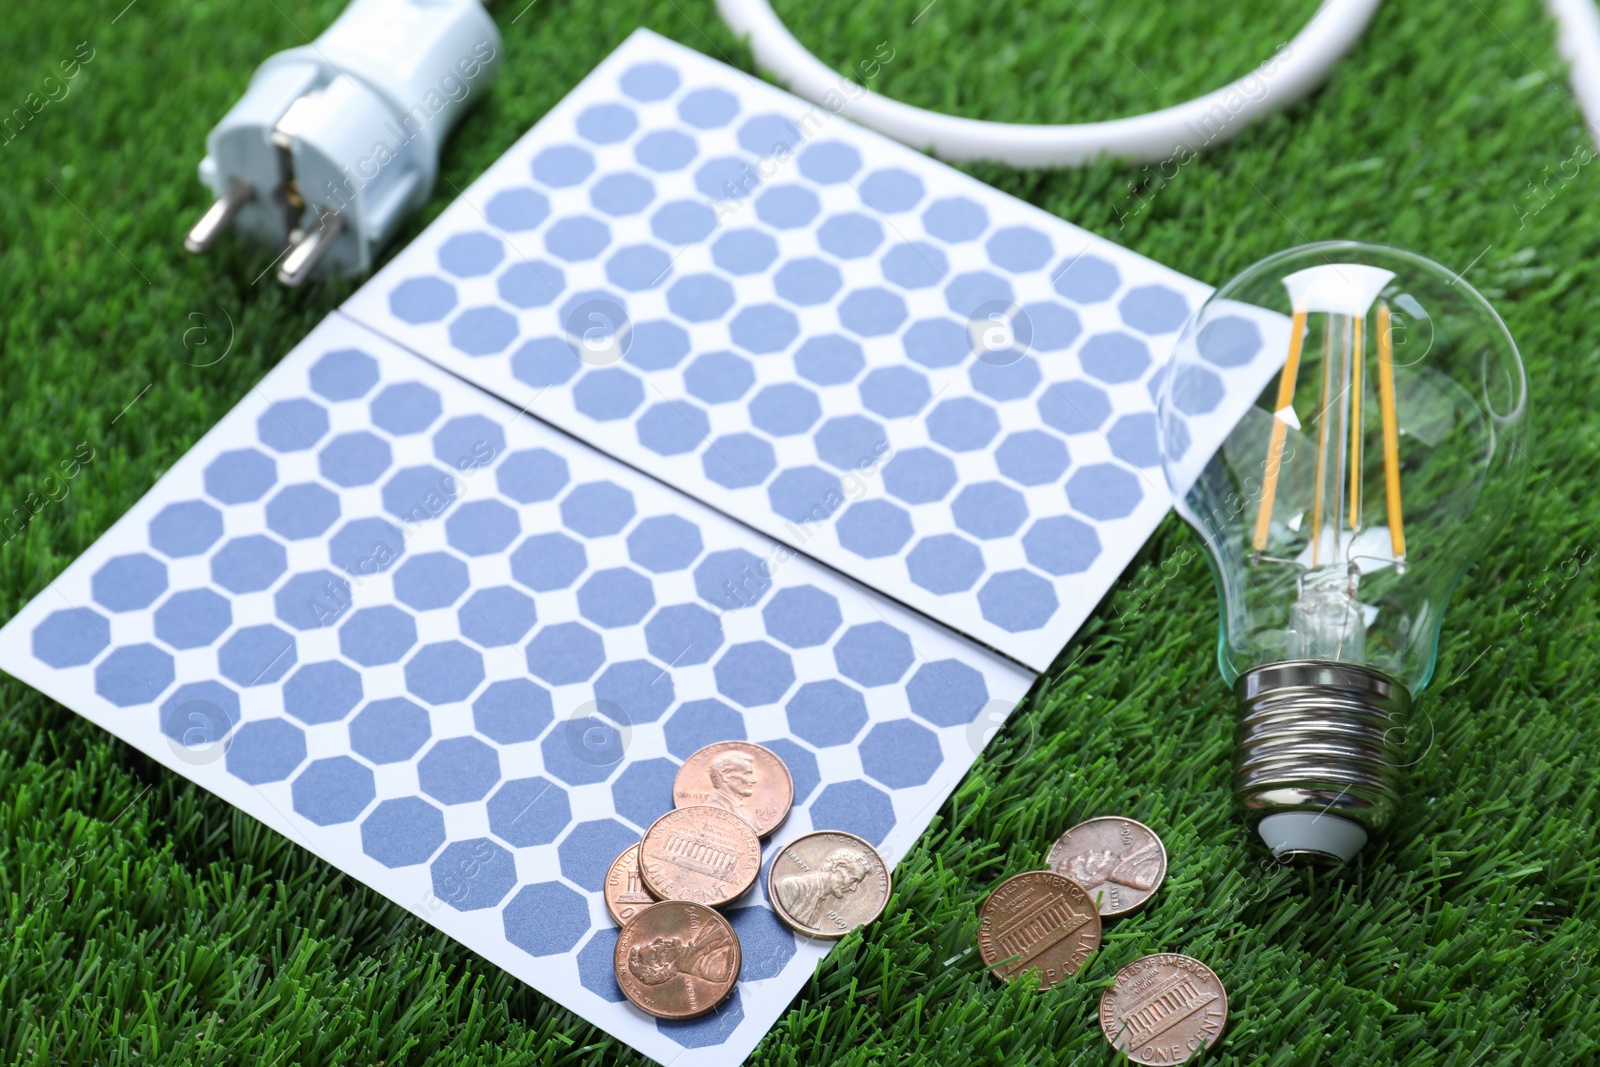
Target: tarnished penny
{"x": 1162, "y": 1009}
{"x": 624, "y": 891}
{"x": 1038, "y": 921}
{"x": 827, "y": 883}
{"x": 748, "y": 780}
{"x": 1120, "y": 862}
{"x": 701, "y": 853}
{"x": 677, "y": 959}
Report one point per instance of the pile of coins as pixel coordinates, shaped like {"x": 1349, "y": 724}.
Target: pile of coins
{"x": 677, "y": 957}
{"x": 1160, "y": 1009}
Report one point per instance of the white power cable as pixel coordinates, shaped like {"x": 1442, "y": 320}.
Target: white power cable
{"x": 1579, "y": 44}
{"x": 1295, "y": 70}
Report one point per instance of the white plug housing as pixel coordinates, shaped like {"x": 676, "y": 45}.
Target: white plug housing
{"x": 333, "y": 143}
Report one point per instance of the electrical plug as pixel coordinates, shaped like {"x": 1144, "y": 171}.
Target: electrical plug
{"x": 335, "y": 142}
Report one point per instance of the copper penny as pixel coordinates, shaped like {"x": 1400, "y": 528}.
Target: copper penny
{"x": 1120, "y": 862}
{"x": 1038, "y": 921}
{"x": 748, "y": 780}
{"x": 624, "y": 891}
{"x": 700, "y": 853}
{"x": 677, "y": 959}
{"x": 1162, "y": 1009}
{"x": 828, "y": 883}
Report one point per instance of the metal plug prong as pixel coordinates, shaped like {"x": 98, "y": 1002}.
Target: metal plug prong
{"x": 309, "y": 248}
{"x": 217, "y": 217}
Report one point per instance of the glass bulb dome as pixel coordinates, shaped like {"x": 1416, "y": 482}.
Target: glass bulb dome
{"x": 1343, "y": 485}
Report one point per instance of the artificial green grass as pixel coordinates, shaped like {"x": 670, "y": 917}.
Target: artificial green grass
{"x": 150, "y": 922}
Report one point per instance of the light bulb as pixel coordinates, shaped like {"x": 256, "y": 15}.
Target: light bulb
{"x": 1343, "y": 481}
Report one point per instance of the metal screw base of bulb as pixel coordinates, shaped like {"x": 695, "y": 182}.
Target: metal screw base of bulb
{"x": 1318, "y": 739}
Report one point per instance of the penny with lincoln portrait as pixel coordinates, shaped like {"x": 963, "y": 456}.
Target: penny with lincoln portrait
{"x": 827, "y": 883}
{"x": 624, "y": 891}
{"x": 1120, "y": 862}
{"x": 677, "y": 959}
{"x": 746, "y": 779}
{"x": 701, "y": 853}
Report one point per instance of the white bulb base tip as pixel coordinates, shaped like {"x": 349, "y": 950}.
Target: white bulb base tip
{"x": 1292, "y": 835}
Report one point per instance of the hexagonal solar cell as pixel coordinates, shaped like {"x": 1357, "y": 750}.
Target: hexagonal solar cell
{"x": 638, "y": 267}
{"x": 1017, "y": 601}
{"x": 850, "y": 235}
{"x": 826, "y": 713}
{"x": 406, "y": 407}
{"x": 532, "y": 475}
{"x": 312, "y": 599}
{"x": 1018, "y": 248}
{"x": 476, "y": 874}
{"x": 738, "y": 460}
{"x": 891, "y": 190}
{"x": 365, "y": 546}
{"x": 807, "y": 280}
{"x": 606, "y": 394}
{"x": 1061, "y": 544}
{"x": 417, "y": 494}
{"x": 471, "y": 255}
{"x": 947, "y": 692}
{"x": 919, "y": 475}
{"x": 256, "y": 655}
{"x": 444, "y": 672}
{"x": 963, "y": 424}
{"x": 895, "y": 392}
{"x": 642, "y": 793}
{"x": 482, "y": 527}
{"x": 389, "y": 730}
{"x": 873, "y": 529}
{"x": 805, "y": 494}
{"x": 1196, "y": 390}
{"x": 71, "y": 637}
{"x": 915, "y": 265}
{"x": 1032, "y": 457}
{"x": 769, "y": 135}
{"x": 458, "y": 770}
{"x": 267, "y": 750}
{"x": 544, "y": 361}
{"x": 763, "y": 328}
{"x": 513, "y": 210}
{"x": 718, "y": 377}
{"x": 649, "y": 81}
{"x": 1006, "y": 381}
{"x": 240, "y": 476}
{"x": 431, "y": 580}
{"x": 199, "y": 715}
{"x": 900, "y": 753}
{"x": 546, "y": 919}
{"x": 133, "y": 674}
{"x": 403, "y": 832}
{"x": 682, "y": 222}
{"x": 332, "y": 791}
{"x": 565, "y": 653}
{"x": 856, "y": 808}
{"x": 618, "y": 596}
{"x": 829, "y": 359}
{"x": 469, "y": 441}
{"x": 292, "y": 425}
{"x": 512, "y": 710}
{"x": 664, "y": 543}
{"x": 683, "y": 634}
{"x": 529, "y": 811}
{"x": 497, "y": 616}
{"x": 700, "y": 297}
{"x": 1114, "y": 357}
{"x": 954, "y": 219}
{"x": 561, "y": 166}
{"x": 483, "y": 331}
{"x": 872, "y": 312}
{"x": 945, "y": 563}
{"x": 1153, "y": 309}
{"x": 548, "y": 561}
{"x": 936, "y": 343}
{"x": 185, "y": 529}
{"x": 576, "y": 238}
{"x": 1228, "y": 341}
{"x": 322, "y": 692}
{"x": 754, "y": 674}
{"x": 850, "y": 442}
{"x": 380, "y": 634}
{"x": 193, "y": 618}
{"x": 665, "y": 150}
{"x": 622, "y": 194}
{"x": 873, "y": 653}
{"x": 1135, "y": 439}
{"x": 1074, "y": 407}
{"x": 358, "y": 458}
{"x": 785, "y": 409}
{"x": 1104, "y": 491}
{"x": 302, "y": 511}
{"x": 533, "y": 283}
{"x": 747, "y": 251}
{"x": 595, "y": 960}
{"x": 708, "y": 109}
{"x": 128, "y": 583}
{"x": 597, "y": 508}
{"x": 967, "y": 293}
{"x": 698, "y": 723}
{"x": 829, "y": 162}
{"x": 732, "y": 578}
{"x": 345, "y": 374}
{"x": 640, "y": 689}
{"x": 802, "y": 616}
{"x": 673, "y": 427}
{"x": 584, "y": 749}
{"x": 787, "y": 207}
{"x": 420, "y": 300}
{"x": 989, "y": 510}
{"x": 248, "y": 564}
{"x": 1086, "y": 279}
